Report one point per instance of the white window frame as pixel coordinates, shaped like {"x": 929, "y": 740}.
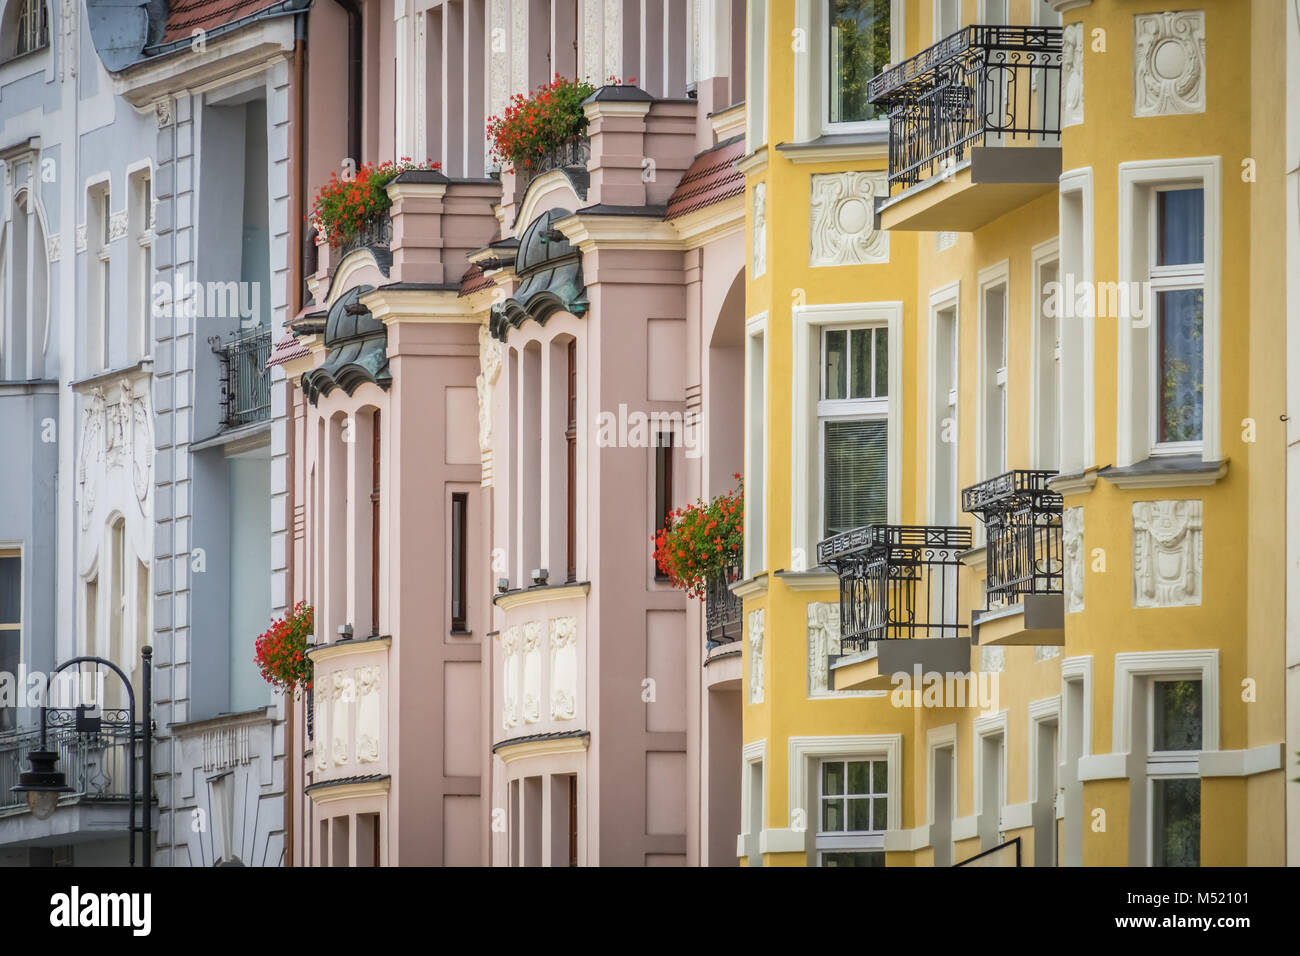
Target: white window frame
{"x": 1046, "y": 710}
{"x": 936, "y": 19}
{"x": 748, "y": 841}
{"x": 1176, "y": 278}
{"x": 1136, "y": 439}
{"x": 850, "y": 841}
{"x": 755, "y": 447}
{"x": 804, "y": 756}
{"x": 16, "y": 551}
{"x": 1075, "y": 264}
{"x": 812, "y": 76}
{"x": 139, "y": 178}
{"x": 1166, "y": 764}
{"x": 1073, "y": 670}
{"x": 807, "y": 321}
{"x": 943, "y": 299}
{"x": 756, "y": 35}
{"x": 1043, "y": 255}
{"x": 991, "y": 278}
{"x": 985, "y": 726}
{"x": 940, "y": 738}
{"x": 873, "y": 409}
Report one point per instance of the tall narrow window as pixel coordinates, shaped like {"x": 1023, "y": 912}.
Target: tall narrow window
{"x": 853, "y": 812}
{"x": 947, "y": 20}
{"x": 663, "y": 485}
{"x": 1044, "y": 809}
{"x": 756, "y": 73}
{"x": 571, "y": 463}
{"x": 573, "y": 819}
{"x": 852, "y": 417}
{"x": 857, "y": 48}
{"x": 11, "y": 625}
{"x": 1177, "y": 280}
{"x": 375, "y": 449}
{"x": 140, "y": 258}
{"x": 992, "y": 795}
{"x": 1173, "y": 772}
{"x": 459, "y": 533}
{"x": 1047, "y": 358}
{"x": 755, "y": 451}
{"x": 943, "y": 428}
{"x": 994, "y": 399}
{"x": 101, "y": 294}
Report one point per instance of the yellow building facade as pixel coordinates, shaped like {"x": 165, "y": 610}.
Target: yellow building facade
{"x": 1026, "y": 258}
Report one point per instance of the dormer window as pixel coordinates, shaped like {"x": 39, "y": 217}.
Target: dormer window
{"x": 26, "y": 28}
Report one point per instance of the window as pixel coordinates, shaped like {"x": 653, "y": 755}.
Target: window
{"x": 11, "y": 626}
{"x": 571, "y": 461}
{"x": 947, "y": 18}
{"x": 857, "y": 47}
{"x": 1047, "y": 368}
{"x": 1174, "y": 793}
{"x": 756, "y": 95}
{"x": 375, "y": 460}
{"x": 852, "y": 812}
{"x": 992, "y": 790}
{"x": 943, "y": 407}
{"x": 853, "y": 423}
{"x": 98, "y": 228}
{"x": 663, "y": 486}
{"x": 459, "y": 532}
{"x": 1177, "y": 282}
{"x": 24, "y": 286}
{"x": 755, "y": 445}
{"x": 1043, "y": 813}
{"x": 26, "y": 28}
{"x": 140, "y": 256}
{"x": 993, "y": 369}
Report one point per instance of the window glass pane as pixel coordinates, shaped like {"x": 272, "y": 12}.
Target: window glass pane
{"x": 882, "y": 362}
{"x": 860, "y": 776}
{"x": 1180, "y": 226}
{"x": 880, "y": 813}
{"x": 1176, "y": 819}
{"x": 860, "y": 814}
{"x": 832, "y": 815}
{"x": 861, "y": 363}
{"x": 858, "y": 50}
{"x": 833, "y": 777}
{"x": 837, "y": 360}
{"x": 1177, "y": 709}
{"x": 1181, "y": 315}
{"x": 853, "y": 859}
{"x": 855, "y": 488}
{"x": 11, "y": 602}
{"x": 10, "y": 654}
{"x": 880, "y": 774}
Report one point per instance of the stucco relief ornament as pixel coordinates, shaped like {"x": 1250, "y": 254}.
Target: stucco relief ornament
{"x": 1169, "y": 63}
{"x": 532, "y": 672}
{"x": 141, "y": 448}
{"x": 759, "y": 252}
{"x": 1072, "y": 75}
{"x": 92, "y": 454}
{"x": 117, "y": 428}
{"x": 321, "y": 755}
{"x": 117, "y": 225}
{"x": 823, "y": 641}
{"x": 81, "y": 238}
{"x": 564, "y": 668}
{"x": 1166, "y": 553}
{"x": 54, "y": 247}
{"x": 510, "y": 690}
{"x": 756, "y": 656}
{"x": 339, "y": 721}
{"x": 842, "y": 217}
{"x": 368, "y": 718}
{"x": 489, "y": 360}
{"x": 163, "y": 112}
{"x": 1072, "y": 541}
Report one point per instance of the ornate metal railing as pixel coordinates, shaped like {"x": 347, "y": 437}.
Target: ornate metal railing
{"x": 722, "y": 609}
{"x": 1022, "y": 518}
{"x": 897, "y": 581}
{"x": 983, "y": 85}
{"x": 375, "y": 234}
{"x": 575, "y": 151}
{"x": 94, "y": 755}
{"x": 245, "y": 380}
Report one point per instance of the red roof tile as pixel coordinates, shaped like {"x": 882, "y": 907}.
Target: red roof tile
{"x": 287, "y": 349}
{"x": 474, "y": 281}
{"x": 186, "y": 16}
{"x": 712, "y": 178}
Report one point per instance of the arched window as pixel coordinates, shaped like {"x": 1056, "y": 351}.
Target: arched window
{"x": 26, "y": 28}
{"x": 24, "y": 292}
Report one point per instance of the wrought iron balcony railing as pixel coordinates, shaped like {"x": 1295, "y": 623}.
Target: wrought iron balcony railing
{"x": 897, "y": 581}
{"x": 1022, "y": 518}
{"x": 96, "y": 763}
{"x": 375, "y": 234}
{"x": 575, "y": 151}
{"x": 245, "y": 380}
{"x": 722, "y": 609}
{"x": 983, "y": 85}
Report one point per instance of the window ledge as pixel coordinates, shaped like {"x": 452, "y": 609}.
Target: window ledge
{"x": 753, "y": 586}
{"x": 1166, "y": 471}
{"x": 838, "y": 146}
{"x": 1076, "y": 483}
{"x": 820, "y": 578}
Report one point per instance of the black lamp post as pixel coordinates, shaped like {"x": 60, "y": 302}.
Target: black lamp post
{"x": 44, "y": 783}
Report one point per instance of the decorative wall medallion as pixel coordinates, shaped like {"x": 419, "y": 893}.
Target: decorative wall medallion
{"x": 117, "y": 224}
{"x": 320, "y": 753}
{"x": 342, "y": 692}
{"x": 1075, "y": 558}
{"x": 1072, "y": 75}
{"x": 756, "y": 656}
{"x": 369, "y": 717}
{"x": 532, "y": 650}
{"x": 564, "y": 668}
{"x": 162, "y": 110}
{"x": 759, "y": 251}
{"x": 54, "y": 247}
{"x": 1166, "y": 553}
{"x": 1169, "y": 63}
{"x": 843, "y": 219}
{"x": 512, "y": 664}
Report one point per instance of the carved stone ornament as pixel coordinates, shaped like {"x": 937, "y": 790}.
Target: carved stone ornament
{"x": 564, "y": 668}
{"x": 1166, "y": 553}
{"x": 489, "y": 360}
{"x": 1072, "y": 75}
{"x": 758, "y": 253}
{"x": 1169, "y": 63}
{"x": 1075, "y": 558}
{"x": 342, "y": 690}
{"x": 532, "y": 651}
{"x": 369, "y": 716}
{"x": 842, "y": 217}
{"x": 512, "y": 676}
{"x": 756, "y": 656}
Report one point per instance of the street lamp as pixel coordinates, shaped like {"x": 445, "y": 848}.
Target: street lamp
{"x": 43, "y": 784}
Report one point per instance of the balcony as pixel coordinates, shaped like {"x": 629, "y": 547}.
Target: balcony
{"x": 722, "y": 610}
{"x": 899, "y": 602}
{"x": 974, "y": 127}
{"x": 245, "y": 380}
{"x": 94, "y": 761}
{"x": 1024, "y": 560}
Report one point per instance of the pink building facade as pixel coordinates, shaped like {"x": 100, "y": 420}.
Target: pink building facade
{"x": 489, "y": 403}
